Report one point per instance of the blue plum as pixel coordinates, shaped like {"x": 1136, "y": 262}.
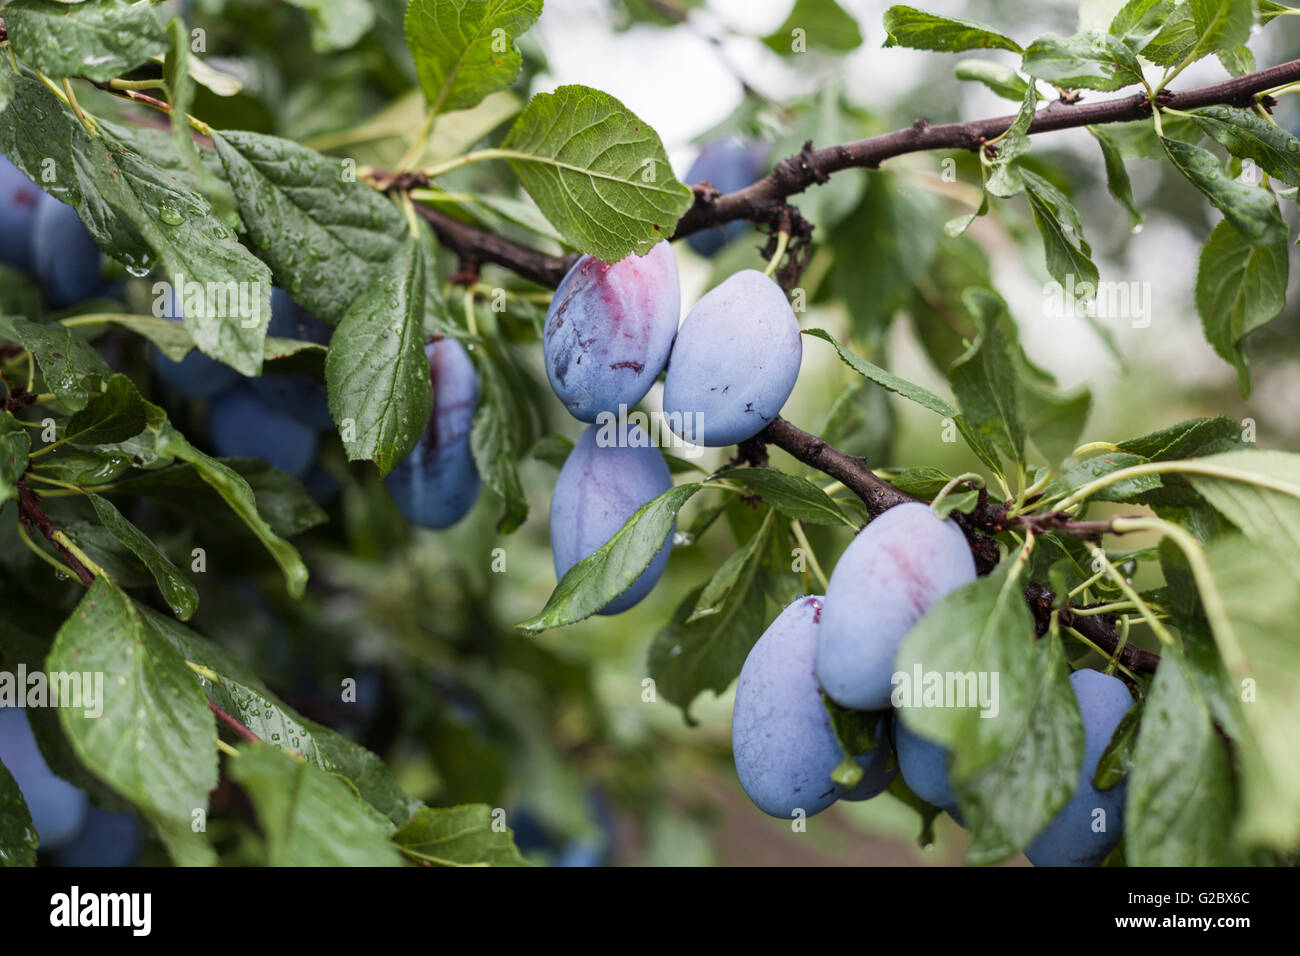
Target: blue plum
{"x": 734, "y": 363}
{"x": 297, "y": 394}
{"x": 609, "y": 330}
{"x": 242, "y": 426}
{"x": 1080, "y": 835}
{"x": 437, "y": 484}
{"x": 64, "y": 257}
{"x": 106, "y": 839}
{"x": 924, "y": 766}
{"x": 729, "y": 165}
{"x": 197, "y": 375}
{"x": 781, "y": 735}
{"x": 887, "y": 579}
{"x": 19, "y": 197}
{"x": 57, "y": 807}
{"x": 598, "y": 489}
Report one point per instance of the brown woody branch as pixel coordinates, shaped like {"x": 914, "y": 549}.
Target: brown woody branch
{"x": 765, "y": 200}
{"x": 31, "y": 514}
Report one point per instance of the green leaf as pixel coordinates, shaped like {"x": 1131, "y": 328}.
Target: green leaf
{"x": 1117, "y": 181}
{"x": 1264, "y": 501}
{"x": 1221, "y": 24}
{"x": 1247, "y": 136}
{"x": 115, "y": 415}
{"x": 1251, "y": 209}
{"x": 883, "y": 246}
{"x": 179, "y": 86}
{"x": 376, "y": 371}
{"x": 37, "y": 127}
{"x": 467, "y": 835}
{"x": 609, "y": 571}
{"x": 323, "y": 233}
{"x": 1261, "y": 595}
{"x": 598, "y": 172}
{"x": 309, "y": 817}
{"x": 1092, "y": 61}
{"x": 822, "y": 24}
{"x": 495, "y": 443}
{"x": 154, "y": 742}
{"x": 1054, "y": 421}
{"x": 1013, "y": 769}
{"x": 737, "y": 569}
{"x": 885, "y": 379}
{"x": 119, "y": 185}
{"x": 985, "y": 379}
{"x": 1240, "y": 286}
{"x": 1138, "y": 21}
{"x": 176, "y": 590}
{"x": 1127, "y": 489}
{"x": 1066, "y": 252}
{"x": 8, "y": 80}
{"x": 239, "y": 692}
{"x": 1116, "y": 760}
{"x": 18, "y": 838}
{"x": 337, "y": 24}
{"x": 1003, "y": 178}
{"x": 998, "y": 77}
{"x": 687, "y": 659}
{"x": 1238, "y": 61}
{"x": 909, "y": 27}
{"x": 1175, "y": 39}
{"x": 1270, "y": 10}
{"x": 237, "y": 494}
{"x": 1196, "y": 436}
{"x": 72, "y": 370}
{"x": 1180, "y": 804}
{"x": 99, "y": 39}
{"x": 792, "y": 496}
{"x": 281, "y": 499}
{"x": 464, "y": 51}
{"x": 15, "y": 446}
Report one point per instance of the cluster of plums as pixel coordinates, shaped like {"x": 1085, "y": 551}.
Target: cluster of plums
{"x": 610, "y": 331}
{"x": 43, "y": 237}
{"x": 71, "y": 830}
{"x": 845, "y": 644}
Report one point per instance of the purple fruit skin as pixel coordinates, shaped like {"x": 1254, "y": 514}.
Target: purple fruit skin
{"x": 299, "y": 395}
{"x": 19, "y": 197}
{"x": 609, "y": 330}
{"x": 924, "y": 766}
{"x": 197, "y": 375}
{"x": 437, "y": 483}
{"x": 734, "y": 363}
{"x": 728, "y": 165}
{"x": 56, "y": 806}
{"x": 64, "y": 256}
{"x": 887, "y": 579}
{"x": 1068, "y": 839}
{"x": 781, "y": 735}
{"x": 241, "y": 426}
{"x": 597, "y": 490}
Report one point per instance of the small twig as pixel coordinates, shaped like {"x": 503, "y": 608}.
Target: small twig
{"x": 234, "y": 724}
{"x": 33, "y": 516}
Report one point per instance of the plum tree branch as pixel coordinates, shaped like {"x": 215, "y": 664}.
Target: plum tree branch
{"x": 766, "y": 199}
{"x": 33, "y": 516}
{"x": 985, "y": 519}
